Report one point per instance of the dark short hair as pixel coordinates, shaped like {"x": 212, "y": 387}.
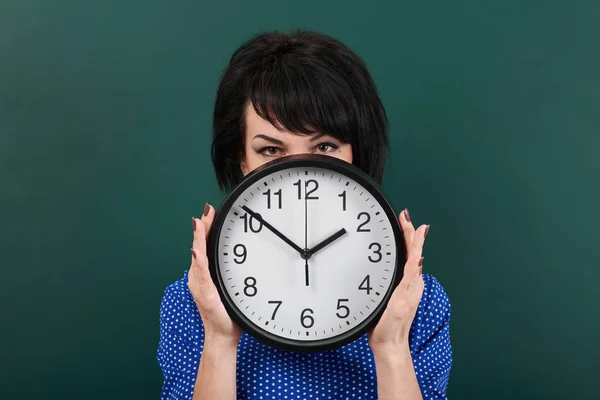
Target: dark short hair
{"x": 305, "y": 82}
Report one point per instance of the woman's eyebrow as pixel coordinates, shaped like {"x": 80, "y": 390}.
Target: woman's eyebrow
{"x": 317, "y": 137}
{"x": 269, "y": 138}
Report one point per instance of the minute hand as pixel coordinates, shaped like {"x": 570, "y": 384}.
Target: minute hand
{"x": 327, "y": 241}
{"x": 272, "y": 229}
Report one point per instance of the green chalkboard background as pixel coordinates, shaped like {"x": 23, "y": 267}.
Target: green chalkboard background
{"x": 105, "y": 119}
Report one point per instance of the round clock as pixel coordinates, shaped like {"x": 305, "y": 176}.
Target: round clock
{"x": 305, "y": 253}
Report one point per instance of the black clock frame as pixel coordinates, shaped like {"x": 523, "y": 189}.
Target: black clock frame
{"x": 309, "y": 161}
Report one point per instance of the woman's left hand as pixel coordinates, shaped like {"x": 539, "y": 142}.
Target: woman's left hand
{"x": 390, "y": 335}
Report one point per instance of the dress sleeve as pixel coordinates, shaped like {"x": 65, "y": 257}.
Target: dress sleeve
{"x": 430, "y": 347}
{"x": 178, "y": 351}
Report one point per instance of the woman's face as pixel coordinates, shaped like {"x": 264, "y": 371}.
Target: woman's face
{"x": 264, "y": 142}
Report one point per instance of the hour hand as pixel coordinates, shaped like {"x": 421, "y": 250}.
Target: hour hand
{"x": 327, "y": 241}
{"x": 272, "y": 229}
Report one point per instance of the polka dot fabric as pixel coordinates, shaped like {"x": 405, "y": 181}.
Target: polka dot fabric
{"x": 264, "y": 372}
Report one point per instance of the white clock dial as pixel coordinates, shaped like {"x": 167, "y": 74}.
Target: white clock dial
{"x": 268, "y": 280}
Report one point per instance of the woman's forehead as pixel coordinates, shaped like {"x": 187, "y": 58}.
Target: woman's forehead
{"x": 259, "y": 128}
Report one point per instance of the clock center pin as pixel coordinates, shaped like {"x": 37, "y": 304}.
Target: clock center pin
{"x": 305, "y": 254}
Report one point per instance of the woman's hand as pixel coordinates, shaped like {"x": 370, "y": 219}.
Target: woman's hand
{"x": 389, "y": 338}
{"x": 218, "y": 327}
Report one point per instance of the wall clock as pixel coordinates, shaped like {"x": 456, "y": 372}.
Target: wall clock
{"x": 305, "y": 252}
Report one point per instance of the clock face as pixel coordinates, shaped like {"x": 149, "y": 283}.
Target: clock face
{"x": 305, "y": 253}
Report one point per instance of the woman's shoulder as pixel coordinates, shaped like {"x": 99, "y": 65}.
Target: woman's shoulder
{"x": 178, "y": 291}
{"x": 178, "y": 302}
{"x": 434, "y": 301}
{"x": 179, "y": 287}
{"x": 433, "y": 290}
{"x": 433, "y": 314}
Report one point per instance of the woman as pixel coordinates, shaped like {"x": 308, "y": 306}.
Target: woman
{"x": 281, "y": 95}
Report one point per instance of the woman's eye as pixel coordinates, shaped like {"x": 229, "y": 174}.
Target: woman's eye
{"x": 325, "y": 147}
{"x": 270, "y": 151}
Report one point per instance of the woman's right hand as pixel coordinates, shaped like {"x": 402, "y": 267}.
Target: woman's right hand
{"x": 218, "y": 326}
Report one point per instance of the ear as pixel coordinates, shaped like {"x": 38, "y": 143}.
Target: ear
{"x": 243, "y": 165}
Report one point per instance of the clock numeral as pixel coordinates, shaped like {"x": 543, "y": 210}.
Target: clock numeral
{"x": 299, "y": 189}
{"x": 360, "y": 227}
{"x": 268, "y": 194}
{"x": 242, "y": 253}
{"x": 308, "y": 190}
{"x": 278, "y": 302}
{"x": 378, "y": 252}
{"x": 250, "y": 223}
{"x": 342, "y": 307}
{"x": 343, "y": 196}
{"x": 250, "y": 289}
{"x": 366, "y": 284}
{"x": 303, "y": 318}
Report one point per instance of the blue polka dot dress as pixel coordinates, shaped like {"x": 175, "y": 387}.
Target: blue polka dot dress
{"x": 264, "y": 372}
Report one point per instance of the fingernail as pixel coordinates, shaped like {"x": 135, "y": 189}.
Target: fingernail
{"x": 421, "y": 262}
{"x": 193, "y": 253}
{"x": 206, "y": 209}
{"x": 426, "y": 230}
{"x": 194, "y": 224}
{"x": 406, "y": 214}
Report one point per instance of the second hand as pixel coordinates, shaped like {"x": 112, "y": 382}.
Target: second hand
{"x": 305, "y": 234}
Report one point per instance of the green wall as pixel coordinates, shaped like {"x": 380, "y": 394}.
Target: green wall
{"x": 105, "y": 119}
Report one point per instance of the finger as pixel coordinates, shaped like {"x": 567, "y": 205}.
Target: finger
{"x": 200, "y": 275}
{"x": 208, "y": 217}
{"x": 199, "y": 244}
{"x": 408, "y": 229}
{"x": 415, "y": 253}
{"x": 199, "y": 259}
{"x": 412, "y": 270}
{"x": 199, "y": 272}
{"x": 416, "y": 247}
